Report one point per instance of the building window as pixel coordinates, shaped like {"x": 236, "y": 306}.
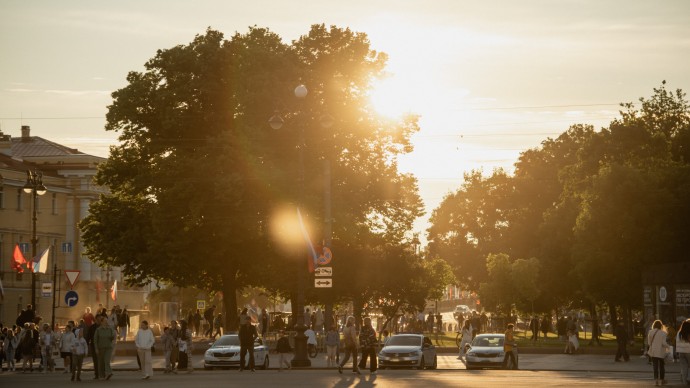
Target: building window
{"x": 54, "y": 203}
{"x": 19, "y": 199}
{"x": 67, "y": 247}
{"x": 24, "y": 247}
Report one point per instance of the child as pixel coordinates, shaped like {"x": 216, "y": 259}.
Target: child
{"x": 283, "y": 347}
{"x": 79, "y": 350}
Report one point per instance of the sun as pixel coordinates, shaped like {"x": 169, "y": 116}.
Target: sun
{"x": 389, "y": 97}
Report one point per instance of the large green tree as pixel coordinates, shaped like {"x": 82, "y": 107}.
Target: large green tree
{"x": 199, "y": 176}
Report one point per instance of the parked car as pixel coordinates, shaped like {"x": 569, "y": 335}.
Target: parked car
{"x": 225, "y": 352}
{"x": 408, "y": 350}
{"x": 461, "y": 309}
{"x": 486, "y": 351}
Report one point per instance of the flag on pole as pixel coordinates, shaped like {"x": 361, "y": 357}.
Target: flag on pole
{"x": 113, "y": 291}
{"x": 310, "y": 246}
{"x": 18, "y": 259}
{"x": 40, "y": 262}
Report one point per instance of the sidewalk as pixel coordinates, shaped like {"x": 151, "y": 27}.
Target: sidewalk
{"x": 535, "y": 362}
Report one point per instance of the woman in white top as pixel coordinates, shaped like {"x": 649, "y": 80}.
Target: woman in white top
{"x": 466, "y": 338}
{"x": 66, "y": 340}
{"x": 656, "y": 338}
{"x": 144, "y": 341}
{"x": 683, "y": 349}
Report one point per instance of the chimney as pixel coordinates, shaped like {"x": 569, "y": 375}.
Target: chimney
{"x": 26, "y": 133}
{"x": 5, "y": 144}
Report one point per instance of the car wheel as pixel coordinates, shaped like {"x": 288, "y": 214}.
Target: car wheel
{"x": 421, "y": 363}
{"x": 265, "y": 365}
{"x": 435, "y": 364}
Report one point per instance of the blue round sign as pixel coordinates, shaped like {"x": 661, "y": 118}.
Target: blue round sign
{"x": 71, "y": 298}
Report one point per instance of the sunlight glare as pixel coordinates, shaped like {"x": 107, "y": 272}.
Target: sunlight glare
{"x": 391, "y": 98}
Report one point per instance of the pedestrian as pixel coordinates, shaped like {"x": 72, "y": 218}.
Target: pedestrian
{"x": 174, "y": 332}
{"x": 283, "y": 348}
{"x": 48, "y": 341}
{"x": 466, "y": 333}
{"x": 123, "y": 324}
{"x": 89, "y": 337}
{"x": 186, "y": 346}
{"x": 683, "y": 349}
{"x": 332, "y": 344}
{"x": 350, "y": 339}
{"x": 247, "y": 336}
{"x": 11, "y": 344}
{"x": 508, "y": 344}
{"x": 104, "y": 342}
{"x": 197, "y": 323}
{"x": 561, "y": 328}
{"x": 264, "y": 322}
{"x": 88, "y": 317}
{"x": 66, "y": 340}
{"x": 622, "y": 339}
{"x": 209, "y": 313}
{"x": 218, "y": 324}
{"x": 27, "y": 342}
{"x": 79, "y": 349}
{"x": 545, "y": 325}
{"x": 167, "y": 342}
{"x": 144, "y": 341}
{"x": 596, "y": 331}
{"x": 572, "y": 343}
{"x": 657, "y": 351}
{"x": 367, "y": 344}
{"x": 534, "y": 327}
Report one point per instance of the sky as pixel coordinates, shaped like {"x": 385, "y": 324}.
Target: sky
{"x": 489, "y": 79}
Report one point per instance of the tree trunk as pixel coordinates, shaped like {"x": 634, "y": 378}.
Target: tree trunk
{"x": 230, "y": 301}
{"x": 614, "y": 315}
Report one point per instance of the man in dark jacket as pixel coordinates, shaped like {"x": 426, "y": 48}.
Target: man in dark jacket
{"x": 209, "y": 313}
{"x": 247, "y": 335}
{"x": 90, "y": 332}
{"x": 622, "y": 340}
{"x": 367, "y": 342}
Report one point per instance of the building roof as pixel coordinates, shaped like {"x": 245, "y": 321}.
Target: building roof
{"x": 38, "y": 146}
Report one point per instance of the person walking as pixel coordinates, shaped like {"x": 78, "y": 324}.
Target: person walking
{"x": 367, "y": 343}
{"x": 144, "y": 341}
{"x": 683, "y": 349}
{"x": 168, "y": 343}
{"x": 208, "y": 316}
{"x": 247, "y": 336}
{"x": 508, "y": 344}
{"x": 283, "y": 348}
{"x": 27, "y": 341}
{"x": 622, "y": 339}
{"x": 48, "y": 341}
{"x": 79, "y": 348}
{"x": 104, "y": 341}
{"x": 466, "y": 338}
{"x": 186, "y": 346}
{"x": 350, "y": 339}
{"x": 89, "y": 337}
{"x": 11, "y": 344}
{"x": 332, "y": 345}
{"x": 545, "y": 325}
{"x": 218, "y": 324}
{"x": 66, "y": 340}
{"x": 123, "y": 324}
{"x": 657, "y": 351}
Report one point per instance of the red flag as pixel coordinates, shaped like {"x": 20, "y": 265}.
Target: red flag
{"x": 18, "y": 259}
{"x": 99, "y": 287}
{"x": 113, "y": 291}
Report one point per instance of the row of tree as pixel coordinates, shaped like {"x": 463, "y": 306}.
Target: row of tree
{"x": 199, "y": 182}
{"x": 582, "y": 217}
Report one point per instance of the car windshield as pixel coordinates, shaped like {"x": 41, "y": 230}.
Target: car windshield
{"x": 230, "y": 340}
{"x": 489, "y": 342}
{"x": 404, "y": 340}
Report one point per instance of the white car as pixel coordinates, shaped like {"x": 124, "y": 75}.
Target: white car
{"x": 225, "y": 352}
{"x": 408, "y": 350}
{"x": 486, "y": 351}
{"x": 461, "y": 309}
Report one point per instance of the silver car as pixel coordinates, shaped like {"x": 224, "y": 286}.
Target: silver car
{"x": 408, "y": 350}
{"x": 486, "y": 351}
{"x": 225, "y": 352}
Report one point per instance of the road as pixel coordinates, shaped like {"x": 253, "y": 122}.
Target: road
{"x": 330, "y": 378}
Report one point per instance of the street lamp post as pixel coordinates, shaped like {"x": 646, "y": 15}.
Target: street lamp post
{"x": 301, "y": 358}
{"x": 34, "y": 186}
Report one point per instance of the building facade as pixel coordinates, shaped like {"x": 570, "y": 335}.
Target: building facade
{"x": 68, "y": 176}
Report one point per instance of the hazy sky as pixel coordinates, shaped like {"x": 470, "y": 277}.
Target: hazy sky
{"x": 489, "y": 78}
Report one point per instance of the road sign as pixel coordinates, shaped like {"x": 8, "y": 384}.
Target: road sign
{"x": 323, "y": 283}
{"x": 325, "y": 257}
{"x": 201, "y": 304}
{"x": 47, "y": 290}
{"x": 72, "y": 276}
{"x": 323, "y": 271}
{"x": 71, "y": 298}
